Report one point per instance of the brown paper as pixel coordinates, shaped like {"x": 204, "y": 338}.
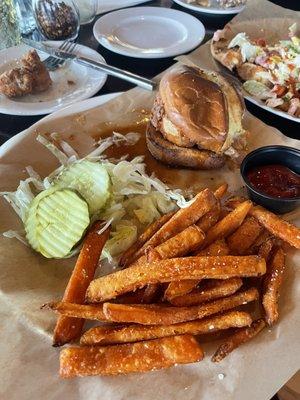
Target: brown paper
{"x": 29, "y": 365}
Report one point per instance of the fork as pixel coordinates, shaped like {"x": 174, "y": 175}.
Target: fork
{"x": 52, "y": 63}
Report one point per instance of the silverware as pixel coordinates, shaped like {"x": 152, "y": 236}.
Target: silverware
{"x": 110, "y": 70}
{"x": 52, "y": 63}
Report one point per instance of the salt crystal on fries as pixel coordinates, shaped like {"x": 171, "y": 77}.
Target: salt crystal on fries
{"x": 203, "y": 202}
{"x": 271, "y": 286}
{"x": 155, "y": 314}
{"x": 241, "y": 336}
{"x": 210, "y": 291}
{"x": 67, "y": 328}
{"x": 180, "y": 288}
{"x": 129, "y": 255}
{"x": 132, "y": 357}
{"x": 134, "y": 333}
{"x": 137, "y": 276}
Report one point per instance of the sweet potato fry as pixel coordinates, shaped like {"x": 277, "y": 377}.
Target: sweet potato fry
{"x": 210, "y": 291}
{"x": 262, "y": 238}
{"x": 180, "y": 288}
{"x": 135, "y": 333}
{"x": 217, "y": 248}
{"x": 203, "y": 202}
{"x": 266, "y": 248}
{"x": 210, "y": 218}
{"x": 241, "y": 336}
{"x": 129, "y": 255}
{"x": 137, "y": 276}
{"x": 277, "y": 226}
{"x": 151, "y": 290}
{"x": 147, "y": 294}
{"x": 245, "y": 235}
{"x": 132, "y": 297}
{"x": 271, "y": 286}
{"x": 228, "y": 224}
{"x": 234, "y": 201}
{"x": 154, "y": 314}
{"x": 66, "y": 328}
{"x": 131, "y": 357}
{"x": 84, "y": 311}
{"x": 179, "y": 245}
{"x": 221, "y": 191}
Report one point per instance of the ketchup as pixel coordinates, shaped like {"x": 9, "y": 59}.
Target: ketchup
{"x": 275, "y": 180}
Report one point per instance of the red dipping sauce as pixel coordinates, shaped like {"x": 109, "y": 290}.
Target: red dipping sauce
{"x": 275, "y": 180}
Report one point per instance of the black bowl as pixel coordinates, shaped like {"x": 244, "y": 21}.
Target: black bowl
{"x": 287, "y": 156}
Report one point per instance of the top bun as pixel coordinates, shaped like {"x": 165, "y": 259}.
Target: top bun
{"x": 200, "y": 108}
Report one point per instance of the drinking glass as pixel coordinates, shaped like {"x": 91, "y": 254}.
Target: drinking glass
{"x": 25, "y": 16}
{"x": 87, "y": 10}
{"x": 9, "y": 28}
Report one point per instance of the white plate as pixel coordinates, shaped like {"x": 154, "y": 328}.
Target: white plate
{"x": 261, "y": 104}
{"x": 149, "y": 32}
{"x": 83, "y": 83}
{"x": 71, "y": 109}
{"x": 214, "y": 9}
{"x": 109, "y": 5}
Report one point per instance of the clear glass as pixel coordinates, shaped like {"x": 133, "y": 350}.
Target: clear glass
{"x": 57, "y": 19}
{"x": 87, "y": 10}
{"x": 25, "y": 15}
{"x": 9, "y": 29}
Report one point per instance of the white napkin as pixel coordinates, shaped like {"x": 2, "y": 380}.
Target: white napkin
{"x": 109, "y": 5}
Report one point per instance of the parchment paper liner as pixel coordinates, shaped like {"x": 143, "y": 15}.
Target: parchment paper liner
{"x": 30, "y": 365}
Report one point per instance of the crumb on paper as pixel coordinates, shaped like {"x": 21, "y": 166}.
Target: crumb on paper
{"x": 221, "y": 376}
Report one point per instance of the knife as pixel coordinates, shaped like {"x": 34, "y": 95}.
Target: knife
{"x": 110, "y": 70}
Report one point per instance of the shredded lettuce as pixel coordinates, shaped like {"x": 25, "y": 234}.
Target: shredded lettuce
{"x": 120, "y": 240}
{"x": 248, "y": 50}
{"x": 136, "y": 199}
{"x": 293, "y": 29}
{"x": 282, "y": 73}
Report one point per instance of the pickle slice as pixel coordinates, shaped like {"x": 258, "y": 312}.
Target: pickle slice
{"x": 56, "y": 221}
{"x": 88, "y": 178}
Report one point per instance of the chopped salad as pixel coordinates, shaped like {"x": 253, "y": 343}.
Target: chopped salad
{"x": 277, "y": 77}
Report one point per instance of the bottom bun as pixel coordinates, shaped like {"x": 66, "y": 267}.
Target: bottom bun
{"x": 170, "y": 154}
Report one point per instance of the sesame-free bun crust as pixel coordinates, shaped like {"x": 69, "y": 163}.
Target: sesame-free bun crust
{"x": 173, "y": 155}
{"x": 202, "y": 105}
{"x": 196, "y": 106}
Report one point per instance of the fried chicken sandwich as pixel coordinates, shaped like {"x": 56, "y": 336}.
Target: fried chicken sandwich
{"x": 196, "y": 119}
